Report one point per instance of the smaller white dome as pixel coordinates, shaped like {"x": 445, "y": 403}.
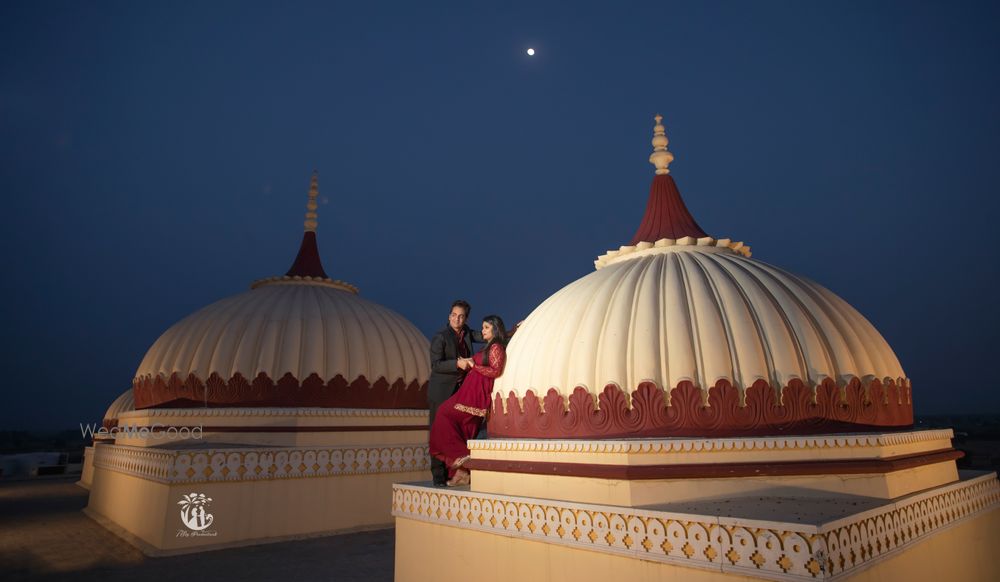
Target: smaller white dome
{"x": 297, "y": 340}
{"x": 288, "y": 328}
{"x": 124, "y": 403}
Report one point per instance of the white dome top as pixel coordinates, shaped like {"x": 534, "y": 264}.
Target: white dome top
{"x": 291, "y": 327}
{"x": 124, "y": 403}
{"x": 296, "y": 340}
{"x": 682, "y": 334}
{"x": 695, "y": 310}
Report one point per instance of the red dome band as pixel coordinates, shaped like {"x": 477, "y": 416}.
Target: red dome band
{"x": 830, "y": 409}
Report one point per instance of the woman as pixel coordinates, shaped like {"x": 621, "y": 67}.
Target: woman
{"x": 459, "y": 418}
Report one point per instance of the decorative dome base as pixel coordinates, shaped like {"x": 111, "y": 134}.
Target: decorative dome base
{"x": 825, "y": 507}
{"x": 299, "y": 472}
{"x": 686, "y": 413}
{"x": 262, "y": 391}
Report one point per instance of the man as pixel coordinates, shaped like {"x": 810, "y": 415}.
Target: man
{"x": 450, "y": 344}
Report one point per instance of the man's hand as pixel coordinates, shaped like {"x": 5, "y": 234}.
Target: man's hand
{"x": 465, "y": 363}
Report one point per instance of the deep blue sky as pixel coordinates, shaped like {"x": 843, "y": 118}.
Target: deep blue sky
{"x": 155, "y": 157}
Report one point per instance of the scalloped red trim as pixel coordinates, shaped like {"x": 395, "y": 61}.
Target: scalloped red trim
{"x": 830, "y": 409}
{"x": 175, "y": 392}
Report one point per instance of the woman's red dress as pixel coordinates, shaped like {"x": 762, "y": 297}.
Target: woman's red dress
{"x": 459, "y": 418}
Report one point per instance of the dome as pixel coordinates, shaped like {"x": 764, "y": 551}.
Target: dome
{"x": 302, "y": 339}
{"x": 682, "y": 334}
{"x": 124, "y": 403}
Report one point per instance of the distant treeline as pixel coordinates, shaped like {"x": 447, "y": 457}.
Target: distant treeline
{"x": 980, "y": 426}
{"x": 34, "y": 441}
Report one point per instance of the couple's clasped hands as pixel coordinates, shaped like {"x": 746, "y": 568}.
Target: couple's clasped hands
{"x": 465, "y": 363}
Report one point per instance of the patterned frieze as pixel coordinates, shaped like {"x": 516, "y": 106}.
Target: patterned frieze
{"x": 763, "y": 549}
{"x": 700, "y": 445}
{"x": 259, "y": 463}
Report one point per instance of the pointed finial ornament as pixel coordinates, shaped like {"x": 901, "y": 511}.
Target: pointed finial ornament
{"x": 311, "y": 207}
{"x": 660, "y": 157}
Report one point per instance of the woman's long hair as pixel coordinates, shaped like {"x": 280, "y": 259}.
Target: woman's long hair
{"x": 499, "y": 333}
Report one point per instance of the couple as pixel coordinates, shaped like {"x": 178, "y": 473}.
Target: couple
{"x": 459, "y": 390}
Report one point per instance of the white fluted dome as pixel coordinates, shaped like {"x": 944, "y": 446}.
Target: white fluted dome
{"x": 690, "y": 312}
{"x": 124, "y": 403}
{"x": 301, "y": 339}
{"x": 681, "y": 334}
{"x": 292, "y": 329}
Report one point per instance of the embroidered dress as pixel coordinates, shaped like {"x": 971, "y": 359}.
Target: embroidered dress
{"x": 459, "y": 418}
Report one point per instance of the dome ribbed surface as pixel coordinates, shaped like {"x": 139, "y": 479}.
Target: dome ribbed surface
{"x": 124, "y": 403}
{"x": 297, "y": 329}
{"x": 697, "y": 314}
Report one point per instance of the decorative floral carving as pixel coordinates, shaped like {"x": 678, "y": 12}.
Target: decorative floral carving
{"x": 723, "y": 410}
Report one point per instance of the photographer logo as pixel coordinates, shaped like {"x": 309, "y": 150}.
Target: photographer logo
{"x": 194, "y": 516}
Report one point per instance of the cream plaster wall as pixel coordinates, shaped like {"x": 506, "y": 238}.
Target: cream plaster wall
{"x": 423, "y": 549}
{"x": 136, "y": 505}
{"x": 87, "y": 473}
{"x": 654, "y": 491}
{"x": 287, "y": 439}
{"x": 706, "y": 451}
{"x": 378, "y": 423}
{"x": 964, "y": 552}
{"x": 245, "y": 511}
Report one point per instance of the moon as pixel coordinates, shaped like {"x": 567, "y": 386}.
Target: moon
{"x": 531, "y": 52}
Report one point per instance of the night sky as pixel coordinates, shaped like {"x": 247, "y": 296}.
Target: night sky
{"x": 155, "y": 157}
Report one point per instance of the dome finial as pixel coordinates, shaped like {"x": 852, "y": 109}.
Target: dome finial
{"x": 307, "y": 263}
{"x": 310, "y": 222}
{"x": 660, "y": 157}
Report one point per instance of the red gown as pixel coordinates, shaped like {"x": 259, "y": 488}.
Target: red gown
{"x": 458, "y": 419}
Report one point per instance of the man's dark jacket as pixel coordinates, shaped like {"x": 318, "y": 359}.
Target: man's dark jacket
{"x": 445, "y": 374}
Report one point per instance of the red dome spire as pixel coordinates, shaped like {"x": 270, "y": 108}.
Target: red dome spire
{"x": 307, "y": 262}
{"x": 666, "y": 215}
